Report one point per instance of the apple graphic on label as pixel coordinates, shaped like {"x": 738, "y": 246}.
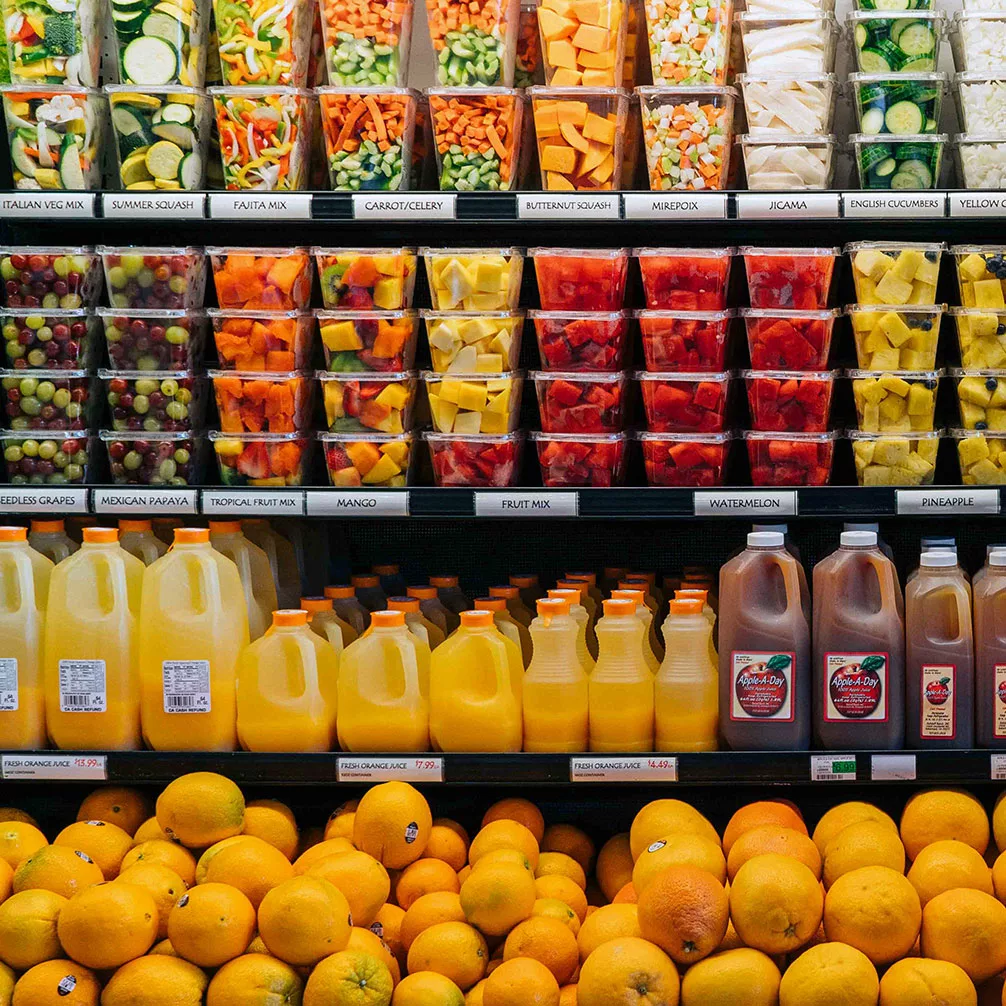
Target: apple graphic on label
{"x": 937, "y": 692}
{"x": 761, "y": 687}
{"x": 856, "y": 688}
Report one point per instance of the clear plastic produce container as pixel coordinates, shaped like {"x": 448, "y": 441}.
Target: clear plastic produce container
{"x": 262, "y": 401}
{"x": 153, "y": 400}
{"x": 260, "y": 459}
{"x": 262, "y": 340}
{"x": 474, "y": 45}
{"x": 981, "y": 336}
{"x": 174, "y": 53}
{"x": 891, "y": 338}
{"x": 54, "y": 42}
{"x": 901, "y": 163}
{"x": 881, "y": 5}
{"x": 981, "y": 395}
{"x": 981, "y": 160}
{"x": 474, "y": 403}
{"x": 684, "y": 403}
{"x": 789, "y": 401}
{"x": 883, "y": 459}
{"x": 154, "y": 278}
{"x": 528, "y": 69}
{"x": 902, "y": 104}
{"x": 581, "y": 459}
{"x": 789, "y": 8}
{"x": 981, "y": 101}
{"x": 474, "y": 341}
{"x": 584, "y": 340}
{"x": 581, "y": 279}
{"x": 685, "y": 460}
{"x": 50, "y": 278}
{"x": 896, "y": 41}
{"x": 897, "y": 402}
{"x": 48, "y": 399}
{"x": 382, "y": 279}
{"x": 797, "y": 278}
{"x": 49, "y": 340}
{"x": 152, "y": 459}
{"x": 480, "y": 461}
{"x": 273, "y": 39}
{"x": 788, "y": 46}
{"x": 685, "y": 279}
{"x": 46, "y": 458}
{"x": 788, "y": 340}
{"x": 684, "y": 340}
{"x": 368, "y": 340}
{"x": 368, "y": 402}
{"x": 378, "y": 460}
{"x": 153, "y": 340}
{"x": 790, "y": 459}
{"x": 788, "y": 163}
{"x": 583, "y": 44}
{"x": 275, "y": 279}
{"x": 367, "y": 42}
{"x": 978, "y": 40}
{"x": 981, "y": 275}
{"x": 474, "y": 279}
{"x": 689, "y": 42}
{"x": 899, "y": 272}
{"x": 571, "y": 402}
{"x": 982, "y": 458}
{"x": 789, "y": 106}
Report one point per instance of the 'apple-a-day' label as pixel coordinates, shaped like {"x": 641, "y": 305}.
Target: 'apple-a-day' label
{"x": 761, "y": 686}
{"x": 8, "y": 685}
{"x": 939, "y": 701}
{"x": 855, "y": 687}
{"x": 999, "y": 700}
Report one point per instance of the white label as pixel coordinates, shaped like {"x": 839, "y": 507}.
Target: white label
{"x": 82, "y": 686}
{"x": 405, "y": 769}
{"x": 916, "y": 501}
{"x": 576, "y": 206}
{"x": 358, "y": 503}
{"x": 160, "y": 501}
{"x": 176, "y": 205}
{"x": 72, "y": 205}
{"x": 260, "y": 206}
{"x": 525, "y": 504}
{"x": 746, "y": 504}
{"x": 186, "y": 686}
{"x": 855, "y": 687}
{"x": 998, "y": 766}
{"x": 235, "y": 501}
{"x": 32, "y": 499}
{"x": 405, "y": 206}
{"x": 885, "y": 768}
{"x": 833, "y": 768}
{"x": 761, "y": 686}
{"x": 999, "y": 701}
{"x": 938, "y": 691}
{"x": 977, "y": 204}
{"x": 787, "y": 205}
{"x": 909, "y": 206}
{"x": 53, "y": 766}
{"x": 8, "y": 685}
{"x": 672, "y": 206}
{"x": 643, "y": 768}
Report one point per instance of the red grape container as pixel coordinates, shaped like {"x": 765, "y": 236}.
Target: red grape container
{"x": 580, "y": 403}
{"x": 684, "y": 340}
{"x": 789, "y": 340}
{"x": 581, "y": 279}
{"x": 790, "y": 459}
{"x": 152, "y": 459}
{"x": 685, "y": 279}
{"x": 789, "y": 277}
{"x": 45, "y": 458}
{"x": 790, "y": 401}
{"x": 476, "y": 461}
{"x": 171, "y": 278}
{"x": 66, "y": 278}
{"x": 684, "y": 403}
{"x": 50, "y": 340}
{"x": 578, "y": 459}
{"x": 581, "y": 340}
{"x": 139, "y": 339}
{"x": 687, "y": 460}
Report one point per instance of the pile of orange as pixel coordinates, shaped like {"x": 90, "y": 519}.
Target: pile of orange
{"x": 206, "y": 900}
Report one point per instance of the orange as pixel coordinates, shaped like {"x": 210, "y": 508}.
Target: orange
{"x": 58, "y": 869}
{"x": 918, "y": 982}
{"x": 361, "y": 878}
{"x": 553, "y": 908}
{"x": 19, "y": 840}
{"x": 760, "y": 813}
{"x": 208, "y": 855}
{"x": 6, "y": 881}
{"x": 999, "y": 877}
{"x": 28, "y": 929}
{"x": 119, "y": 805}
{"x": 521, "y": 982}
{"x": 558, "y": 864}
{"x": 628, "y": 970}
{"x": 388, "y": 926}
{"x": 453, "y": 949}
{"x": 15, "y": 814}
{"x": 253, "y": 866}
{"x": 563, "y": 889}
{"x": 427, "y": 988}
{"x": 312, "y": 855}
{"x": 254, "y": 978}
{"x": 368, "y": 942}
{"x": 161, "y": 883}
{"x": 340, "y": 821}
{"x": 107, "y": 844}
{"x": 474, "y": 996}
{"x": 150, "y": 829}
{"x": 304, "y": 920}
{"x": 567, "y": 995}
{"x": 571, "y": 841}
{"x": 424, "y": 876}
{"x": 516, "y": 809}
{"x": 614, "y": 865}
{"x": 349, "y": 978}
{"x": 827, "y": 974}
{"x": 7, "y": 982}
{"x": 163, "y": 853}
{"x": 211, "y": 924}
{"x": 497, "y": 896}
{"x": 165, "y": 948}
{"x": 502, "y": 856}
{"x": 608, "y": 923}
{"x": 156, "y": 981}
{"x": 106, "y": 926}
{"x": 429, "y": 910}
{"x": 57, "y": 983}
{"x": 274, "y": 823}
{"x": 946, "y": 865}
{"x": 684, "y": 911}
{"x": 660, "y": 818}
{"x": 504, "y": 835}
{"x": 735, "y": 976}
{"x": 201, "y": 808}
{"x": 774, "y": 838}
{"x": 776, "y": 903}
{"x": 966, "y": 928}
{"x": 626, "y": 896}
{"x": 547, "y": 941}
{"x": 449, "y": 842}
{"x": 393, "y": 824}
{"x": 678, "y": 850}
{"x": 937, "y": 814}
{"x": 464, "y": 873}
{"x": 845, "y": 814}
{"x": 865, "y": 843}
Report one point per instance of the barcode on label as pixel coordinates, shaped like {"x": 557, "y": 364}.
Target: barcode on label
{"x": 180, "y": 702}
{"x": 77, "y": 701}
{"x": 833, "y": 768}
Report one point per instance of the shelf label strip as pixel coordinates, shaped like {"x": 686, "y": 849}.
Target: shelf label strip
{"x": 894, "y": 205}
{"x": 54, "y": 766}
{"x": 645, "y": 768}
{"x": 35, "y": 499}
{"x": 948, "y": 501}
{"x": 673, "y": 206}
{"x": 169, "y": 501}
{"x": 998, "y": 767}
{"x": 977, "y": 204}
{"x": 405, "y": 769}
{"x": 133, "y": 206}
{"x": 255, "y": 207}
{"x": 254, "y": 501}
{"x": 572, "y": 206}
{"x": 527, "y": 504}
{"x": 35, "y": 205}
{"x": 891, "y": 767}
{"x": 788, "y": 206}
{"x": 833, "y": 768}
{"x": 358, "y": 503}
{"x": 405, "y": 206}
{"x": 781, "y": 503}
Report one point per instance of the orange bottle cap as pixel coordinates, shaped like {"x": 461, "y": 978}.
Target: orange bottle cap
{"x": 289, "y": 616}
{"x": 685, "y": 606}
{"x": 423, "y": 593}
{"x": 624, "y": 594}
{"x": 225, "y": 527}
{"x": 524, "y": 580}
{"x": 364, "y": 580}
{"x": 549, "y": 607}
{"x": 691, "y": 594}
{"x": 580, "y": 586}
{"x": 477, "y": 619}
{"x": 47, "y": 526}
{"x": 619, "y": 606}
{"x": 13, "y": 534}
{"x": 100, "y": 535}
{"x": 312, "y": 605}
{"x": 387, "y": 619}
{"x": 589, "y": 578}
{"x": 443, "y": 581}
{"x": 404, "y": 604}
{"x": 490, "y": 604}
{"x": 386, "y": 569}
{"x": 134, "y": 525}
{"x": 339, "y": 592}
{"x": 188, "y": 535}
{"x": 507, "y": 592}
{"x": 569, "y": 594}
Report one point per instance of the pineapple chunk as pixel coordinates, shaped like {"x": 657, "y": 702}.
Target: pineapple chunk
{"x": 989, "y": 293}
{"x": 972, "y": 267}
{"x": 920, "y": 400}
{"x": 890, "y": 451}
{"x": 894, "y": 290}
{"x": 971, "y": 450}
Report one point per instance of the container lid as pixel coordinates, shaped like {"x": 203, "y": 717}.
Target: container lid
{"x": 189, "y": 535}
{"x": 896, "y": 139}
{"x": 60, "y": 250}
{"x": 579, "y": 438}
{"x": 244, "y": 375}
{"x": 862, "y": 526}
{"x": 386, "y": 568}
{"x": 162, "y": 375}
{"x": 766, "y": 539}
{"x": 44, "y": 375}
{"x": 786, "y": 140}
{"x": 162, "y": 436}
{"x": 962, "y": 372}
{"x": 925, "y": 246}
{"x": 683, "y": 438}
{"x": 339, "y": 313}
{"x": 807, "y": 438}
{"x": 898, "y": 308}
{"x": 469, "y": 252}
{"x": 476, "y": 619}
{"x": 647, "y": 375}
{"x": 216, "y": 312}
{"x": 909, "y": 375}
{"x": 144, "y": 251}
{"x": 895, "y": 15}
{"x": 684, "y": 252}
{"x": 256, "y": 91}
{"x": 899, "y": 78}
{"x": 858, "y": 539}
{"x": 440, "y": 92}
{"x": 506, "y": 591}
{"x": 371, "y": 89}
{"x": 365, "y": 580}
{"x": 549, "y": 607}
{"x": 423, "y": 593}
{"x": 579, "y": 252}
{"x": 899, "y": 437}
{"x": 685, "y": 606}
{"x": 968, "y": 312}
{"x": 315, "y": 604}
{"x": 430, "y": 314}
{"x": 978, "y": 77}
{"x": 692, "y": 593}
{"x": 788, "y": 252}
{"x": 755, "y": 20}
{"x": 971, "y": 15}
{"x": 790, "y": 375}
{"x": 432, "y": 377}
{"x": 576, "y": 377}
{"x": 572, "y": 594}
{"x": 266, "y": 438}
{"x": 17, "y": 436}
{"x": 687, "y": 90}
{"x": 387, "y": 619}
{"x": 662, "y": 314}
{"x": 997, "y": 557}
{"x": 595, "y": 316}
{"x": 365, "y": 437}
{"x": 153, "y": 89}
{"x": 410, "y": 605}
{"x": 443, "y": 581}
{"x": 225, "y": 527}
{"x": 781, "y": 78}
{"x": 524, "y": 579}
{"x": 565, "y": 93}
{"x": 966, "y": 138}
{"x": 48, "y": 526}
{"x": 100, "y": 535}
{"x": 630, "y": 594}
{"x": 619, "y": 606}
{"x": 938, "y": 559}
{"x": 141, "y": 312}
{"x": 357, "y": 375}
{"x": 13, "y": 534}
{"x": 362, "y": 252}
{"x": 267, "y": 252}
{"x": 340, "y": 592}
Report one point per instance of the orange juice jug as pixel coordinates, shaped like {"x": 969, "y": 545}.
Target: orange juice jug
{"x": 686, "y": 689}
{"x": 529, "y": 587}
{"x": 193, "y": 627}
{"x": 453, "y": 597}
{"x": 392, "y": 581}
{"x": 416, "y": 622}
{"x": 591, "y": 580}
{"x": 515, "y": 605}
{"x": 49, "y": 537}
{"x": 432, "y": 608}
{"x": 579, "y": 615}
{"x": 24, "y": 594}
{"x": 651, "y": 588}
{"x": 282, "y": 560}
{"x": 646, "y": 617}
{"x": 92, "y": 674}
{"x": 651, "y": 605}
{"x": 164, "y": 528}
{"x": 587, "y": 603}
{"x": 75, "y": 527}
{"x": 621, "y": 686}
{"x": 384, "y": 683}
{"x": 324, "y": 622}
{"x": 476, "y": 689}
{"x": 588, "y": 600}
{"x": 555, "y": 687}
{"x": 939, "y": 656}
{"x": 287, "y": 688}
{"x": 228, "y": 539}
{"x": 138, "y": 539}
{"x": 990, "y": 651}
{"x": 348, "y": 608}
{"x": 368, "y": 591}
{"x": 508, "y": 625}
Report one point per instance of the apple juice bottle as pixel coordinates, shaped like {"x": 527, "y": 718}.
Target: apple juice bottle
{"x": 990, "y": 652}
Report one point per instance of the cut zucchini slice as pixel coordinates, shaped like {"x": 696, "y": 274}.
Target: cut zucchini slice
{"x": 190, "y": 171}
{"x": 164, "y": 26}
{"x": 70, "y": 172}
{"x": 150, "y": 60}
{"x": 873, "y": 61}
{"x": 917, "y": 39}
{"x": 904, "y": 118}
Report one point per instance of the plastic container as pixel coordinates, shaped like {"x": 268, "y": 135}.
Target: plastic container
{"x": 49, "y": 538}
{"x": 981, "y": 159}
{"x": 580, "y": 403}
{"x": 367, "y": 42}
{"x": 898, "y": 402}
{"x": 685, "y": 460}
{"x": 888, "y": 273}
{"x": 154, "y": 278}
{"x": 790, "y": 459}
{"x": 578, "y": 459}
{"x": 689, "y": 43}
{"x": 889, "y": 338}
{"x": 978, "y": 40}
{"x": 528, "y": 69}
{"x": 152, "y": 400}
{"x": 368, "y": 340}
{"x": 585, "y": 46}
{"x": 375, "y": 460}
{"x": 46, "y": 458}
{"x": 285, "y": 29}
{"x": 368, "y": 403}
{"x": 801, "y": 105}
{"x": 474, "y": 47}
{"x": 908, "y": 162}
{"x": 990, "y": 727}
{"x": 587, "y": 157}
{"x": 581, "y": 341}
{"x": 50, "y": 278}
{"x": 262, "y": 340}
{"x": 980, "y": 337}
{"x": 782, "y": 163}
{"x": 262, "y": 401}
{"x": 476, "y": 462}
{"x": 981, "y": 100}
{"x": 48, "y": 399}
{"x": 228, "y": 538}
{"x": 684, "y": 403}
{"x": 581, "y": 279}
{"x": 274, "y": 279}
{"x": 178, "y": 54}
{"x": 474, "y": 403}
{"x": 381, "y": 279}
{"x": 904, "y": 103}
{"x": 798, "y": 278}
{"x": 260, "y": 459}
{"x": 72, "y": 55}
{"x": 982, "y": 457}
{"x": 152, "y": 459}
{"x": 474, "y": 279}
{"x": 788, "y": 401}
{"x": 978, "y": 274}
{"x": 685, "y": 279}
{"x": 881, "y": 45}
{"x": 684, "y": 340}
{"x": 473, "y": 341}
{"x": 788, "y": 45}
{"x": 981, "y": 395}
{"x": 153, "y": 340}
{"x": 49, "y": 340}
{"x": 789, "y": 340}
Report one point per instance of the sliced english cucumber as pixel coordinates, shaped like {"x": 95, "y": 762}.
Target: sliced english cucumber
{"x": 885, "y": 167}
{"x": 163, "y": 160}
{"x": 930, "y": 127}
{"x": 873, "y": 61}
{"x": 872, "y": 121}
{"x": 190, "y": 171}
{"x": 861, "y": 35}
{"x": 127, "y": 20}
{"x": 921, "y": 171}
{"x": 150, "y": 60}
{"x": 181, "y": 136}
{"x": 923, "y": 64}
{"x": 904, "y": 118}
{"x": 906, "y": 180}
{"x": 21, "y": 160}
{"x": 897, "y": 27}
{"x": 917, "y": 39}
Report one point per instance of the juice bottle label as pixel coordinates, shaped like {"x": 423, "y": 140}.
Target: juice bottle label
{"x": 999, "y": 722}
{"x": 761, "y": 686}
{"x": 8, "y": 685}
{"x": 938, "y": 689}
{"x": 855, "y": 686}
{"x": 186, "y": 686}
{"x": 82, "y": 686}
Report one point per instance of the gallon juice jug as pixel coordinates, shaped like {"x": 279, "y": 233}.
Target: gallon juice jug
{"x": 686, "y": 689}
{"x": 587, "y": 603}
{"x": 588, "y": 600}
{"x": 591, "y": 580}
{"x": 92, "y": 673}
{"x": 652, "y": 636}
{"x": 164, "y": 528}
{"x": 983, "y": 572}
{"x": 453, "y": 597}
{"x": 646, "y": 617}
{"x": 529, "y": 587}
{"x": 859, "y": 648}
{"x": 282, "y": 560}
{"x": 990, "y": 652}
{"x": 475, "y": 689}
{"x": 515, "y": 605}
{"x": 228, "y": 539}
{"x": 432, "y": 608}
{"x": 416, "y": 622}
{"x": 347, "y": 607}
{"x": 579, "y": 615}
{"x": 138, "y": 539}
{"x": 392, "y": 581}
{"x": 939, "y": 656}
{"x": 931, "y": 544}
{"x": 49, "y": 537}
{"x": 24, "y": 593}
{"x": 506, "y": 624}
{"x": 368, "y": 592}
{"x": 621, "y": 685}
{"x": 384, "y": 681}
{"x": 193, "y": 627}
{"x": 764, "y": 649}
{"x": 287, "y": 688}
{"x": 555, "y": 686}
{"x": 324, "y": 622}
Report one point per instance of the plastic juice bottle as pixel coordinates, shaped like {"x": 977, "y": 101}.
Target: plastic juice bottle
{"x": 476, "y": 689}
{"x": 640, "y": 583}
{"x": 348, "y": 608}
{"x": 646, "y": 617}
{"x": 621, "y": 687}
{"x": 287, "y": 688}
{"x": 931, "y": 544}
{"x": 49, "y": 538}
{"x": 392, "y": 581}
{"x": 651, "y": 606}
{"x": 859, "y": 648}
{"x": 652, "y": 589}
{"x": 514, "y": 604}
{"x": 193, "y": 627}
{"x": 508, "y": 625}
{"x": 92, "y": 676}
{"x": 579, "y": 615}
{"x": 555, "y": 686}
{"x": 611, "y": 576}
{"x": 432, "y": 607}
{"x": 24, "y": 594}
{"x": 694, "y": 594}
{"x": 452, "y": 596}
{"x": 873, "y": 526}
{"x": 164, "y": 528}
{"x": 589, "y": 599}
{"x": 585, "y": 602}
{"x": 939, "y": 656}
{"x": 529, "y": 587}
{"x": 228, "y": 539}
{"x": 323, "y": 621}
{"x": 368, "y": 592}
{"x": 416, "y": 622}
{"x": 686, "y": 689}
{"x": 310, "y": 546}
{"x": 384, "y": 689}
{"x": 75, "y": 527}
{"x": 983, "y": 572}
{"x": 990, "y": 652}
{"x": 138, "y": 539}
{"x": 591, "y": 580}
{"x": 282, "y": 560}
{"x": 764, "y": 649}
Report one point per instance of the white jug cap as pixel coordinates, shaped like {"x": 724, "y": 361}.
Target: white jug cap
{"x": 997, "y": 557}
{"x": 766, "y": 539}
{"x": 778, "y": 528}
{"x": 859, "y": 539}
{"x": 989, "y": 549}
{"x": 942, "y": 558}
{"x": 874, "y": 527}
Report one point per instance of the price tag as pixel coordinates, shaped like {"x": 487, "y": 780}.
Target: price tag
{"x": 132, "y": 206}
{"x": 746, "y": 504}
{"x": 576, "y": 206}
{"x": 948, "y": 501}
{"x": 644, "y": 768}
{"x": 35, "y": 205}
{"x": 885, "y": 768}
{"x": 54, "y": 766}
{"x": 977, "y": 204}
{"x": 788, "y": 205}
{"x": 35, "y": 499}
{"x": 909, "y": 206}
{"x": 256, "y": 501}
{"x": 668, "y": 206}
{"x": 407, "y": 769}
{"x": 405, "y": 206}
{"x": 255, "y": 207}
{"x": 833, "y": 768}
{"x": 353, "y": 503}
{"x": 998, "y": 767}
{"x": 527, "y": 504}
{"x": 166, "y": 501}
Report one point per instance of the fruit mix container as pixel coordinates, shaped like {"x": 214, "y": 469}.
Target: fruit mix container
{"x": 684, "y": 403}
{"x": 276, "y": 341}
{"x": 152, "y": 400}
{"x": 583, "y": 44}
{"x": 152, "y": 459}
{"x": 885, "y": 460}
{"x": 685, "y": 460}
{"x": 581, "y": 341}
{"x": 797, "y": 278}
{"x": 581, "y": 279}
{"x": 367, "y": 42}
{"x": 898, "y": 402}
{"x": 36, "y": 460}
{"x": 474, "y": 403}
{"x": 896, "y": 338}
{"x": 143, "y": 339}
{"x": 262, "y": 401}
{"x": 253, "y": 279}
{"x": 789, "y": 340}
{"x": 49, "y": 340}
{"x": 474, "y": 279}
{"x": 895, "y": 273}
{"x": 580, "y": 459}
{"x": 982, "y": 458}
{"x": 476, "y": 462}
{"x": 171, "y": 279}
{"x": 689, "y": 41}
{"x": 685, "y": 279}
{"x": 790, "y": 459}
{"x": 381, "y": 279}
{"x": 474, "y": 43}
{"x": 50, "y": 278}
{"x": 368, "y": 402}
{"x": 980, "y": 269}
{"x": 789, "y": 401}
{"x": 377, "y": 460}
{"x": 981, "y": 395}
{"x": 981, "y": 337}
{"x": 260, "y": 459}
{"x": 368, "y": 340}
{"x": 571, "y": 402}
{"x": 474, "y": 342}
{"x": 48, "y": 399}
{"x": 684, "y": 340}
